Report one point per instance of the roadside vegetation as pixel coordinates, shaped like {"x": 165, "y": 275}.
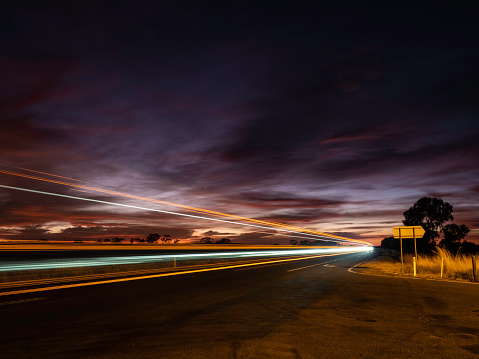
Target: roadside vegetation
{"x": 454, "y": 267}
{"x": 442, "y": 246}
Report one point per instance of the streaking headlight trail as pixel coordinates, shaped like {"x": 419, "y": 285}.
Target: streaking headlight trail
{"x": 138, "y": 259}
{"x": 159, "y": 210}
{"x": 237, "y": 219}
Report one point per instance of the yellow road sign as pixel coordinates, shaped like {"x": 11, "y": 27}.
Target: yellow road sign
{"x": 408, "y": 232}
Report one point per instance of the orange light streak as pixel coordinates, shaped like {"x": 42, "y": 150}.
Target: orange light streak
{"x": 49, "y": 174}
{"x": 189, "y": 208}
{"x": 84, "y": 284}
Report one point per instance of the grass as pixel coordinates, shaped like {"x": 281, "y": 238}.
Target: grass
{"x": 455, "y": 267}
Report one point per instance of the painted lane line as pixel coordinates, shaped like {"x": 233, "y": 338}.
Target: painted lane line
{"x": 314, "y": 265}
{"x": 319, "y": 264}
{"x": 319, "y": 256}
{"x": 265, "y": 265}
{"x": 80, "y": 278}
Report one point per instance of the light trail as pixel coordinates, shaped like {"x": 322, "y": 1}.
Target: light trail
{"x": 193, "y": 209}
{"x": 50, "y": 174}
{"x": 137, "y": 259}
{"x": 151, "y": 209}
{"x": 134, "y": 272}
{"x": 33, "y": 290}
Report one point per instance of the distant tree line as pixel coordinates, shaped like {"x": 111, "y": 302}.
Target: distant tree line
{"x": 209, "y": 240}
{"x": 150, "y": 238}
{"x": 433, "y": 214}
{"x": 166, "y": 238}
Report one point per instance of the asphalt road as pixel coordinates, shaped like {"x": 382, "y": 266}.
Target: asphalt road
{"x": 312, "y": 308}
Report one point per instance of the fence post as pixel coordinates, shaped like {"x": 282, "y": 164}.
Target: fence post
{"x": 414, "y": 265}
{"x": 402, "y": 260}
{"x": 442, "y": 266}
{"x": 474, "y": 277}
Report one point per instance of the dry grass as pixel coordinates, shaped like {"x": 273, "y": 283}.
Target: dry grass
{"x": 456, "y": 267}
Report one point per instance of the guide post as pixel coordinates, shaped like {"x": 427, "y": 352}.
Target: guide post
{"x": 408, "y": 232}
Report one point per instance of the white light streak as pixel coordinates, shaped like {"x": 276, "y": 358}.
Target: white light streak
{"x": 176, "y": 213}
{"x": 120, "y": 260}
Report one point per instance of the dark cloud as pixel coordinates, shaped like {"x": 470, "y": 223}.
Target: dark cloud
{"x": 35, "y": 230}
{"x": 215, "y": 233}
{"x": 277, "y": 200}
{"x": 301, "y": 215}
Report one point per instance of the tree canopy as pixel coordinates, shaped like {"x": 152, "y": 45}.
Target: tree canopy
{"x": 207, "y": 240}
{"x": 433, "y": 214}
{"x": 152, "y": 238}
{"x": 453, "y": 235}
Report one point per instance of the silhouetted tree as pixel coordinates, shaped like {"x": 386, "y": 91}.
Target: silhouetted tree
{"x": 304, "y": 242}
{"x": 166, "y": 238}
{"x": 468, "y": 247}
{"x": 390, "y": 242}
{"x": 152, "y": 238}
{"x": 207, "y": 240}
{"x": 431, "y": 214}
{"x": 453, "y": 236}
{"x": 117, "y": 239}
{"x": 293, "y": 242}
{"x": 106, "y": 240}
{"x": 224, "y": 241}
{"x": 176, "y": 240}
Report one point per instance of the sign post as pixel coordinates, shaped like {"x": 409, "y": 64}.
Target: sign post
{"x": 402, "y": 261}
{"x": 415, "y": 248}
{"x": 408, "y": 232}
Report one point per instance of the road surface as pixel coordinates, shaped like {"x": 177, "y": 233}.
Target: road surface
{"x": 313, "y": 308}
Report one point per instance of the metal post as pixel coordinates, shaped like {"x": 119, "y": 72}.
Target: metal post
{"x": 402, "y": 261}
{"x": 415, "y": 248}
{"x": 414, "y": 265}
{"x": 442, "y": 266}
{"x": 474, "y": 277}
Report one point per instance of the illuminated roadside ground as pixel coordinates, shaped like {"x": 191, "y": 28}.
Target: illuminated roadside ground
{"x": 57, "y": 263}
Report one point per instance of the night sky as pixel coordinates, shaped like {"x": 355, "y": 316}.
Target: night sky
{"x": 332, "y": 118}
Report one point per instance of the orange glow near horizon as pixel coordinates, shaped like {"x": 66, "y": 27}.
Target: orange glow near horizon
{"x": 188, "y": 208}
